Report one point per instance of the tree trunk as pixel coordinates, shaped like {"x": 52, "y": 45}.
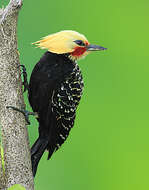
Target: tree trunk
{"x": 14, "y": 135}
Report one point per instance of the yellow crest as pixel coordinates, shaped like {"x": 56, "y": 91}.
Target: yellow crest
{"x": 61, "y": 42}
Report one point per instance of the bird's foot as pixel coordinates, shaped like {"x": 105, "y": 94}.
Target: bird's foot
{"x": 25, "y": 82}
{"x": 25, "y": 113}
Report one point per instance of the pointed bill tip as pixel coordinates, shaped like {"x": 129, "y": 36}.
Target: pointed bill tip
{"x": 92, "y": 47}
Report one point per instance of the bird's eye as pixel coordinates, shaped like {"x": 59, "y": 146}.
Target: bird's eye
{"x": 79, "y": 42}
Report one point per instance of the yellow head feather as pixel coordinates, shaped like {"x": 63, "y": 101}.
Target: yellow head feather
{"x": 61, "y": 42}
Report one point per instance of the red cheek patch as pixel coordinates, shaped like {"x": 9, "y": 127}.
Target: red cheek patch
{"x": 78, "y": 51}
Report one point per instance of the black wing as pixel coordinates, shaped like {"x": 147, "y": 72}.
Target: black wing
{"x": 46, "y": 76}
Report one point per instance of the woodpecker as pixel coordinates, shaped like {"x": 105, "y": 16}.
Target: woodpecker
{"x": 55, "y": 89}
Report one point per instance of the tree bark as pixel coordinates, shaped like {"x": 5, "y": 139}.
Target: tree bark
{"x": 14, "y": 135}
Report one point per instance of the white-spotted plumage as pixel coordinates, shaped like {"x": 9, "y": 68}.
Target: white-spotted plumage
{"x": 65, "y": 101}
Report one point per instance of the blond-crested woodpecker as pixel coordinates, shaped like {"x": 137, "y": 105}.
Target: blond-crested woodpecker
{"x": 55, "y": 89}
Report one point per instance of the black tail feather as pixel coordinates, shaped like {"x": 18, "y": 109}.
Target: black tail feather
{"x": 51, "y": 150}
{"x": 37, "y": 151}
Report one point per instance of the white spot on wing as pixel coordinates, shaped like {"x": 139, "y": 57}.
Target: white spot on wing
{"x": 62, "y": 136}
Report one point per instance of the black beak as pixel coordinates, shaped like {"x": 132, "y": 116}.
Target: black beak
{"x": 91, "y": 47}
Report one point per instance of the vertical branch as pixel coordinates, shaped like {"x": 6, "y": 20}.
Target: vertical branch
{"x": 14, "y": 132}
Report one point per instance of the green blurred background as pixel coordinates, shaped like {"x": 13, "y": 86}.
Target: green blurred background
{"x": 108, "y": 149}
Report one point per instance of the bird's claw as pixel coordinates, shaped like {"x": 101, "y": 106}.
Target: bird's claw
{"x": 25, "y": 82}
{"x": 24, "y": 112}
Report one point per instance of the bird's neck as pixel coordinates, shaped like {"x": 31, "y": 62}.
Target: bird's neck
{"x": 67, "y": 57}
